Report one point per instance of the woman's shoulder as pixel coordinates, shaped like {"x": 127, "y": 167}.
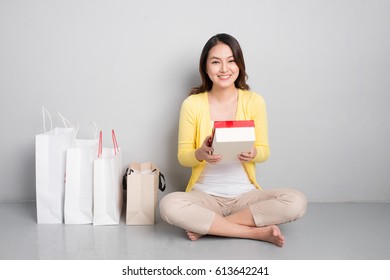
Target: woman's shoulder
{"x": 194, "y": 103}
{"x": 195, "y": 99}
{"x": 251, "y": 96}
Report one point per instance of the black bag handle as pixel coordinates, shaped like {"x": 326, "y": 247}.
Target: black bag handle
{"x": 161, "y": 181}
{"x": 124, "y": 179}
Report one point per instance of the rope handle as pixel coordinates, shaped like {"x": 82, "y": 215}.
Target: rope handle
{"x": 161, "y": 179}
{"x": 115, "y": 143}
{"x": 96, "y": 130}
{"x": 44, "y": 113}
{"x": 68, "y": 124}
{"x": 100, "y": 148}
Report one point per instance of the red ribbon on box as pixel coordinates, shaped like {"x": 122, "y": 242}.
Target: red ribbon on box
{"x": 228, "y": 124}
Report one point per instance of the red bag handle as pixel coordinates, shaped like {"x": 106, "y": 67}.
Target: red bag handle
{"x": 116, "y": 148}
{"x": 115, "y": 143}
{"x": 100, "y": 149}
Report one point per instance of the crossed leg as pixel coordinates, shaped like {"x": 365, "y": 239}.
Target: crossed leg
{"x": 200, "y": 214}
{"x": 241, "y": 225}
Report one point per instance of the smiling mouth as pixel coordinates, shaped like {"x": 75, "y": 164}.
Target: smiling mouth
{"x": 224, "y": 77}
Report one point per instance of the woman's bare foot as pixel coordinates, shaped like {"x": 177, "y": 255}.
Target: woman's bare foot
{"x": 270, "y": 234}
{"x": 193, "y": 236}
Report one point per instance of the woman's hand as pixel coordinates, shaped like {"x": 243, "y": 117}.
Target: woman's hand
{"x": 248, "y": 156}
{"x": 205, "y": 152}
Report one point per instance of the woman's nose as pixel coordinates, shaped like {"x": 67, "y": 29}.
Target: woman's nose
{"x": 223, "y": 68}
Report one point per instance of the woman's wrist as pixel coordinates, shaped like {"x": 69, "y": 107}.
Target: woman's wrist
{"x": 198, "y": 154}
{"x": 254, "y": 153}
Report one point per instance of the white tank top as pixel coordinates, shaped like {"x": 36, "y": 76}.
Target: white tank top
{"x": 225, "y": 179}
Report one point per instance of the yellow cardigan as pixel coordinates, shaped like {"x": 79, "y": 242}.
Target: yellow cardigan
{"x": 195, "y": 126}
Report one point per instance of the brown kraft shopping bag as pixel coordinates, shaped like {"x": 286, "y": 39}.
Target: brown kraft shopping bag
{"x": 142, "y": 182}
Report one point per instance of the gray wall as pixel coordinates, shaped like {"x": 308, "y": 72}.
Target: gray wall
{"x": 322, "y": 66}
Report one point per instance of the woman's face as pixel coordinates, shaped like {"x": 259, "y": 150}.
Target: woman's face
{"x": 221, "y": 67}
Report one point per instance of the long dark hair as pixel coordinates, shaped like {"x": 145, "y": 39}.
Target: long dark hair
{"x": 229, "y": 40}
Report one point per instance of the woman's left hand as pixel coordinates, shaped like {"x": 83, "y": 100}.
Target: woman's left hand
{"x": 248, "y": 156}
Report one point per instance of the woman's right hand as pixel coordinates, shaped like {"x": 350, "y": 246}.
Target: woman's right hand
{"x": 205, "y": 152}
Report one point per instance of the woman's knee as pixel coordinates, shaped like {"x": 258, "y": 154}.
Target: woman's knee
{"x": 170, "y": 205}
{"x": 166, "y": 204}
{"x": 297, "y": 202}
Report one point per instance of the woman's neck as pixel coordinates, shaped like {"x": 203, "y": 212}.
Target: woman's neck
{"x": 222, "y": 95}
{"x": 223, "y": 104}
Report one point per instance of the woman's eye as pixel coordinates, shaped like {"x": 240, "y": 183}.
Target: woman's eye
{"x": 231, "y": 61}
{"x": 214, "y": 62}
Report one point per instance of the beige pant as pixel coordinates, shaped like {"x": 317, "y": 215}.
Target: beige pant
{"x": 195, "y": 210}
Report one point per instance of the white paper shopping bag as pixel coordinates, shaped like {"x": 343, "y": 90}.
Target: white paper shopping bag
{"x": 108, "y": 193}
{"x": 78, "y": 208}
{"x": 50, "y": 161}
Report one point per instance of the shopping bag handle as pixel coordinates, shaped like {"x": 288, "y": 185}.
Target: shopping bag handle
{"x": 100, "y": 148}
{"x": 161, "y": 181}
{"x": 68, "y": 124}
{"x": 124, "y": 179}
{"x": 115, "y": 143}
{"x": 95, "y": 135}
{"x": 116, "y": 147}
{"x": 44, "y": 113}
{"x": 160, "y": 185}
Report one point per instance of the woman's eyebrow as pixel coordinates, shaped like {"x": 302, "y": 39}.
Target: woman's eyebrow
{"x": 215, "y": 57}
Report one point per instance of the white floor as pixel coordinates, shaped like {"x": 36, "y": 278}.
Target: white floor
{"x": 355, "y": 231}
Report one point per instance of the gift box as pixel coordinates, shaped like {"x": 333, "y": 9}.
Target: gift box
{"x": 231, "y": 138}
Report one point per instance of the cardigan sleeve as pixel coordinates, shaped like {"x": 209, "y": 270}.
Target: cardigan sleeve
{"x": 259, "y": 115}
{"x": 187, "y": 134}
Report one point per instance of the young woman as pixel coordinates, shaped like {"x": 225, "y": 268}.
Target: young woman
{"x": 223, "y": 197}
